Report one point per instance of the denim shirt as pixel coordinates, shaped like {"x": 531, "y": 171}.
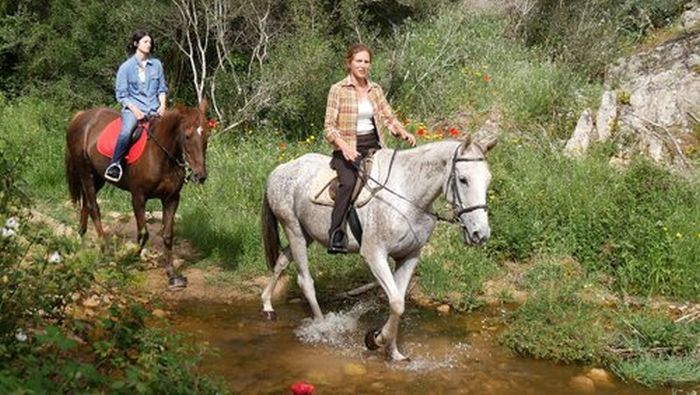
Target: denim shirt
{"x": 144, "y": 95}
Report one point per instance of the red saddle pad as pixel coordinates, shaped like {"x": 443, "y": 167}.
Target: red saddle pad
{"x": 108, "y": 140}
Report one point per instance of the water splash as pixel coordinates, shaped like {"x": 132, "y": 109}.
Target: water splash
{"x": 335, "y": 329}
{"x": 424, "y": 361}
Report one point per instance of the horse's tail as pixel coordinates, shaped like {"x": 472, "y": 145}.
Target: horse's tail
{"x": 270, "y": 233}
{"x": 72, "y": 175}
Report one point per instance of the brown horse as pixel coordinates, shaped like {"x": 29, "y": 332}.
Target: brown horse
{"x": 178, "y": 141}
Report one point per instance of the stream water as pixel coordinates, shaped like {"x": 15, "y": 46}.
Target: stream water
{"x": 452, "y": 354}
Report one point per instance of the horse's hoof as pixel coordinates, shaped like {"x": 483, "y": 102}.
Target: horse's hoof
{"x": 371, "y": 339}
{"x": 268, "y": 315}
{"x": 176, "y": 283}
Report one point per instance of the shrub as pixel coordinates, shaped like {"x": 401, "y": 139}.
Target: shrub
{"x": 635, "y": 224}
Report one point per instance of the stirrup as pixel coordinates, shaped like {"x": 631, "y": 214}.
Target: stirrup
{"x": 110, "y": 177}
{"x": 338, "y": 246}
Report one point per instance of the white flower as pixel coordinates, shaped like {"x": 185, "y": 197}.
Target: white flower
{"x": 7, "y": 232}
{"x": 12, "y": 223}
{"x": 20, "y": 335}
{"x": 55, "y": 257}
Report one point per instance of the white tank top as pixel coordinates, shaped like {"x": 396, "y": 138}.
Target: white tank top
{"x": 364, "y": 117}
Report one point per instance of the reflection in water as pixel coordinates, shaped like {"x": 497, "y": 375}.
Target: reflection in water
{"x": 456, "y": 354}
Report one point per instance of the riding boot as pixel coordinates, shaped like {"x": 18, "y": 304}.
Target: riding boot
{"x": 115, "y": 171}
{"x": 347, "y": 177}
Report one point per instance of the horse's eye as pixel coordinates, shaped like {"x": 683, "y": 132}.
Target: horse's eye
{"x": 464, "y": 180}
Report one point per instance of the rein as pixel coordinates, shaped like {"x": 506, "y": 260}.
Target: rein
{"x": 458, "y": 209}
{"x": 177, "y": 161}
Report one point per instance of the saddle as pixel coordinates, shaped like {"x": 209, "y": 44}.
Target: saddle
{"x": 108, "y": 140}
{"x": 325, "y": 185}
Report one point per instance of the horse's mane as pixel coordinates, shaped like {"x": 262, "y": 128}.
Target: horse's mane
{"x": 169, "y": 119}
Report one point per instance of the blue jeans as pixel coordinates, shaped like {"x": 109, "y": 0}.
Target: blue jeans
{"x": 128, "y": 124}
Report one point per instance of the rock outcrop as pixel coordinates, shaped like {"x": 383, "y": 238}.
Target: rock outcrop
{"x": 651, "y": 104}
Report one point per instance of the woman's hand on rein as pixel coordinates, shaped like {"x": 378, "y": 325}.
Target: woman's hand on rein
{"x": 410, "y": 138}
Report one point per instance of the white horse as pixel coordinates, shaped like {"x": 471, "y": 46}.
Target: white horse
{"x": 396, "y": 222}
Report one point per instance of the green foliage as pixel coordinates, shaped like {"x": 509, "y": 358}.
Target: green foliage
{"x": 301, "y": 71}
{"x": 458, "y": 63}
{"x": 589, "y": 34}
{"x": 639, "y": 225}
{"x": 648, "y": 330}
{"x": 450, "y": 271}
{"x": 69, "y": 49}
{"x": 548, "y": 326}
{"x": 35, "y": 135}
{"x": 660, "y": 372}
{"x": 45, "y": 348}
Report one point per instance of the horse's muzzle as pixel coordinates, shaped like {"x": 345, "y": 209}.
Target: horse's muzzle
{"x": 199, "y": 177}
{"x": 475, "y": 237}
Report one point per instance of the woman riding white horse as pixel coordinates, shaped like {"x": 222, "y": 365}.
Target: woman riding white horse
{"x": 397, "y": 221}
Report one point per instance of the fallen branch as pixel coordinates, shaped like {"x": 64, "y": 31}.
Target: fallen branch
{"x": 357, "y": 291}
{"x": 628, "y": 353}
{"x": 690, "y": 317}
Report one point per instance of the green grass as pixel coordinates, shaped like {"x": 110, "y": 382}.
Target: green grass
{"x": 660, "y": 372}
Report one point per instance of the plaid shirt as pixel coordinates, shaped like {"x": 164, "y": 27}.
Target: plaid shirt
{"x": 341, "y": 112}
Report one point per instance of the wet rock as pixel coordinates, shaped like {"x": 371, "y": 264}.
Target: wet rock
{"x": 444, "y": 309}
{"x": 601, "y": 378}
{"x": 354, "y": 369}
{"x": 582, "y": 384}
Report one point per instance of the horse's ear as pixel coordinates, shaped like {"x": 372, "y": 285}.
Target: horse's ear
{"x": 488, "y": 143}
{"x": 203, "y": 105}
{"x": 467, "y": 140}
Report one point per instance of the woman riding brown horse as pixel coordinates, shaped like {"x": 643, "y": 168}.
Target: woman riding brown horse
{"x": 177, "y": 140}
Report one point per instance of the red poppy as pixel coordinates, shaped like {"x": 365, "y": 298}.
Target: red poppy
{"x": 421, "y": 132}
{"x": 302, "y": 388}
{"x": 487, "y": 77}
{"x": 454, "y": 132}
{"x": 212, "y": 124}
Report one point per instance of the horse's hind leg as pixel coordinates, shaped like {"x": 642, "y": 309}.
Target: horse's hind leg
{"x": 84, "y": 214}
{"x": 282, "y": 262}
{"x": 90, "y": 205}
{"x": 297, "y": 244}
{"x": 138, "y": 203}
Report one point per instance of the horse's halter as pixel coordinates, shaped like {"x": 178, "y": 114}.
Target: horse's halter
{"x": 457, "y": 203}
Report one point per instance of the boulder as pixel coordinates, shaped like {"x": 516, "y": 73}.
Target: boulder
{"x": 652, "y": 99}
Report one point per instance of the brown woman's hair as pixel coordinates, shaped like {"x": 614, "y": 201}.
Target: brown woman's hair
{"x": 136, "y": 37}
{"x": 354, "y": 49}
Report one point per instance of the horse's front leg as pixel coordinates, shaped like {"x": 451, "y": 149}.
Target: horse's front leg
{"x": 402, "y": 277}
{"x": 379, "y": 265}
{"x": 138, "y": 202}
{"x": 175, "y": 281}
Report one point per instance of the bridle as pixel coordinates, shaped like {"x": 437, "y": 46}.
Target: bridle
{"x": 181, "y": 162}
{"x": 457, "y": 204}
